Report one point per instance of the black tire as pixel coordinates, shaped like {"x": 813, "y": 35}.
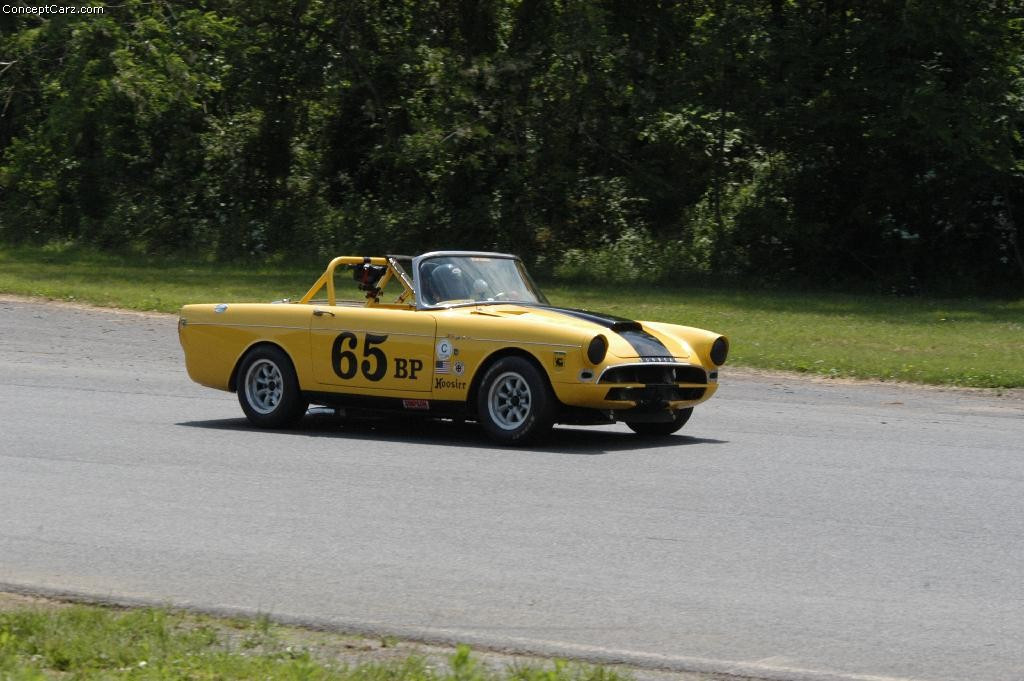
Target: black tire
{"x": 664, "y": 428}
{"x": 514, "y": 404}
{"x": 268, "y": 389}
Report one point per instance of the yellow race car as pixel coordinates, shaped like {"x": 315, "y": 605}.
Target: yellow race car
{"x": 468, "y": 336}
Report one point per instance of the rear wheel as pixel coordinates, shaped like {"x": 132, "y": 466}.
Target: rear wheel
{"x": 679, "y": 419}
{"x": 514, "y": 404}
{"x": 268, "y": 389}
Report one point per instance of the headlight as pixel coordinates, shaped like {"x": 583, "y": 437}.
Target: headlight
{"x": 720, "y": 350}
{"x": 597, "y": 349}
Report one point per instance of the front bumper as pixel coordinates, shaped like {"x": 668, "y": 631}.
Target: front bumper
{"x": 654, "y": 388}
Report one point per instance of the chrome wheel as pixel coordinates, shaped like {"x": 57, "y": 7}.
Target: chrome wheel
{"x": 264, "y": 386}
{"x": 268, "y": 389}
{"x": 509, "y": 401}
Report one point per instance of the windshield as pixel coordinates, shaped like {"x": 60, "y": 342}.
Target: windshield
{"x": 452, "y": 279}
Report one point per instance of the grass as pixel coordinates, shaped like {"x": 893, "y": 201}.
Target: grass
{"x": 156, "y": 284}
{"x": 964, "y": 342}
{"x": 83, "y": 642}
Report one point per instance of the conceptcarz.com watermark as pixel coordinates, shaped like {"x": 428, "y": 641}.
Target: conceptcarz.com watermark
{"x": 50, "y": 9}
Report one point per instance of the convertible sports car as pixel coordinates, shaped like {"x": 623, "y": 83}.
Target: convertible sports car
{"x": 468, "y": 337}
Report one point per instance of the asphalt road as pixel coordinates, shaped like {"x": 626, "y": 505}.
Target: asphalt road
{"x": 794, "y": 529}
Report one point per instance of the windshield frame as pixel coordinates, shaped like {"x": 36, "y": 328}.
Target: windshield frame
{"x": 419, "y": 260}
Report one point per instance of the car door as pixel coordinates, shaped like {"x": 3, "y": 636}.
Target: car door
{"x": 381, "y": 349}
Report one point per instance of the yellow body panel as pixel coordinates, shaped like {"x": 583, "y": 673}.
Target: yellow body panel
{"x": 214, "y": 341}
{"x": 428, "y": 356}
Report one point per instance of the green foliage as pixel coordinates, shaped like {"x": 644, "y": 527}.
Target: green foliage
{"x": 95, "y": 643}
{"x": 800, "y": 140}
{"x": 635, "y": 256}
{"x": 89, "y": 640}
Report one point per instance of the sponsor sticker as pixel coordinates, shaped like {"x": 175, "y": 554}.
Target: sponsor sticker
{"x": 459, "y": 368}
{"x": 444, "y": 348}
{"x": 416, "y": 404}
{"x": 441, "y": 383}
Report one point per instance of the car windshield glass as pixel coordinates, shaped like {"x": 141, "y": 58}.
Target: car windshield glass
{"x": 452, "y": 279}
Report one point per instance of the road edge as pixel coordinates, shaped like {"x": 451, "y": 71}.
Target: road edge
{"x": 721, "y": 669}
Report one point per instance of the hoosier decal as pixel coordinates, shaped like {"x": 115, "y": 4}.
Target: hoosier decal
{"x": 449, "y": 384}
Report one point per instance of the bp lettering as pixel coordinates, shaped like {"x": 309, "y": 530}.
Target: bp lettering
{"x": 407, "y": 368}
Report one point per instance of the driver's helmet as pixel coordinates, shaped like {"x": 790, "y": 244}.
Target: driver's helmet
{"x": 448, "y": 283}
{"x": 480, "y": 289}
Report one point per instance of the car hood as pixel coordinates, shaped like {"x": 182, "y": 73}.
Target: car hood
{"x": 627, "y": 339}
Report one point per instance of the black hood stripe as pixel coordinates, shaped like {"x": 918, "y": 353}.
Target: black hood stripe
{"x": 632, "y": 332}
{"x": 606, "y": 320}
{"x": 646, "y": 345}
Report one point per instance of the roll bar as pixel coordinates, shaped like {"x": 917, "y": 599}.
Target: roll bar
{"x": 393, "y": 270}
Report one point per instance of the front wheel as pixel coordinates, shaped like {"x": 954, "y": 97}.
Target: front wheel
{"x": 514, "y": 404}
{"x": 268, "y": 389}
{"x": 661, "y": 429}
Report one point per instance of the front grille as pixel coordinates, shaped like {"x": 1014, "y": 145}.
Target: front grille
{"x": 655, "y": 393}
{"x": 656, "y": 373}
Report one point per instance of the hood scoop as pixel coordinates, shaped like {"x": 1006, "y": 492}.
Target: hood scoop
{"x": 619, "y": 327}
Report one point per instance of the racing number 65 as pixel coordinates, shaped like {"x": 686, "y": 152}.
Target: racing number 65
{"x": 344, "y": 361}
{"x": 376, "y": 353}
